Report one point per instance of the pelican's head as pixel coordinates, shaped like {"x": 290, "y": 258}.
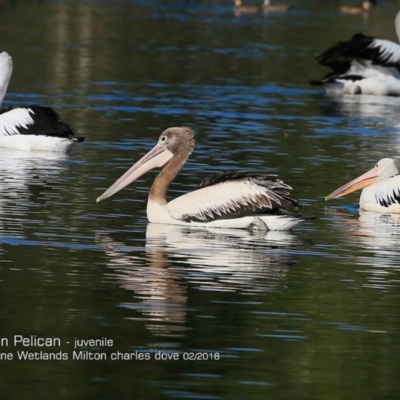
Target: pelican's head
{"x": 383, "y": 169}
{"x": 172, "y": 142}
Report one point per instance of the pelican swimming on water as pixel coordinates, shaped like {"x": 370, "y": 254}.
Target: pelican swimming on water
{"x": 381, "y": 188}
{"x": 33, "y": 127}
{"x": 363, "y": 65}
{"x": 225, "y": 200}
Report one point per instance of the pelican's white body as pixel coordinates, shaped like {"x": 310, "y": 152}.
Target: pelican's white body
{"x": 35, "y": 143}
{"x": 10, "y": 138}
{"x": 374, "y": 197}
{"x": 17, "y": 124}
{"x": 218, "y": 199}
{"x": 377, "y": 81}
{"x": 161, "y": 214}
{"x": 379, "y": 75}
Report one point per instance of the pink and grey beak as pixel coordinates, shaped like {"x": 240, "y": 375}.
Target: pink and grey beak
{"x": 361, "y": 182}
{"x": 157, "y": 157}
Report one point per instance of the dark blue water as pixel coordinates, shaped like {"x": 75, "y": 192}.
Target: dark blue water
{"x": 193, "y": 313}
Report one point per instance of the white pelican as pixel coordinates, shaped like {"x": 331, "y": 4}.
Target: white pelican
{"x": 225, "y": 200}
{"x": 364, "y": 8}
{"x": 363, "y": 65}
{"x": 381, "y": 185}
{"x": 277, "y": 7}
{"x": 33, "y": 127}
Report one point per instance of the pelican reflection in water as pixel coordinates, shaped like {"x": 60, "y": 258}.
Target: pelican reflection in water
{"x": 177, "y": 257}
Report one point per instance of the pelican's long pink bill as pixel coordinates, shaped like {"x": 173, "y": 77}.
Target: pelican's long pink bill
{"x": 362, "y": 181}
{"x": 157, "y": 157}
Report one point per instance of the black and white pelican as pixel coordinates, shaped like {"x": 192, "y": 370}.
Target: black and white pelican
{"x": 225, "y": 200}
{"x": 33, "y": 127}
{"x": 363, "y": 65}
{"x": 381, "y": 188}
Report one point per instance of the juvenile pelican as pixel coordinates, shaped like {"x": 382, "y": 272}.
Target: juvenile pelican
{"x": 381, "y": 185}
{"x": 33, "y": 127}
{"x": 229, "y": 199}
{"x": 363, "y": 65}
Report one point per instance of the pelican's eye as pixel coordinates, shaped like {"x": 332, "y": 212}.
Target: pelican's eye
{"x": 163, "y": 139}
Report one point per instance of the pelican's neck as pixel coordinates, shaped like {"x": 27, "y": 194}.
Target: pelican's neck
{"x": 266, "y": 3}
{"x": 158, "y": 191}
{"x": 397, "y": 25}
{"x": 5, "y": 74}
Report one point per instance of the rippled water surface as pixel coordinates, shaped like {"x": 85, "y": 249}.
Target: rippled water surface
{"x": 309, "y": 314}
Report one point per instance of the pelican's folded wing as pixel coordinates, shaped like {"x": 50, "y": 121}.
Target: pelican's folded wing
{"x": 233, "y": 195}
